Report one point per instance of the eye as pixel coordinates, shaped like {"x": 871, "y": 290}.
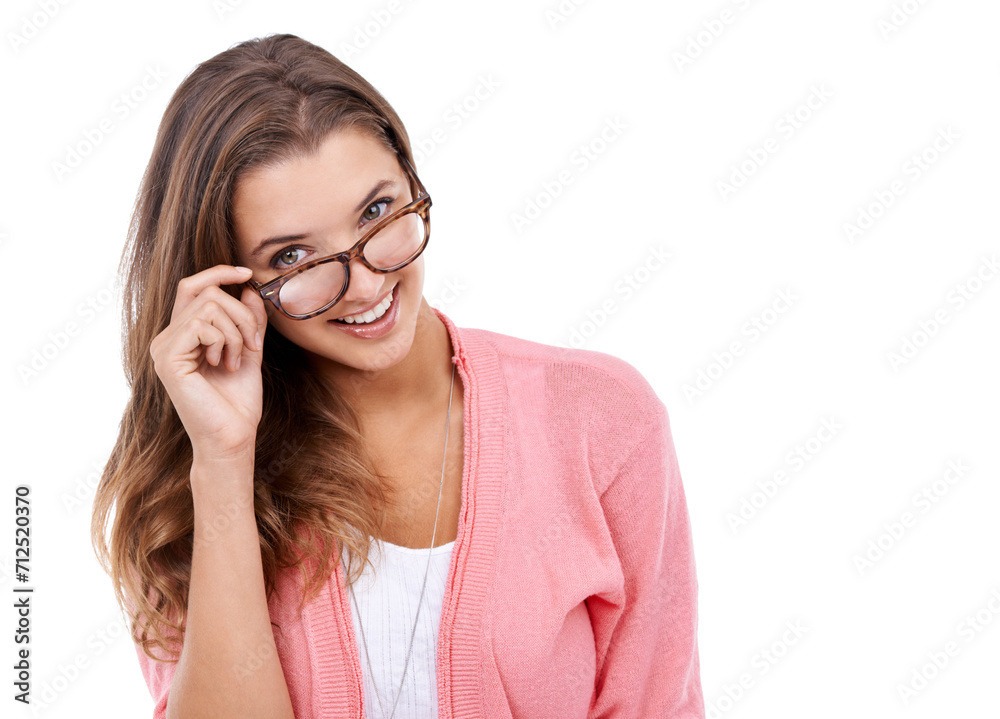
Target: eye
{"x": 376, "y": 210}
{"x": 286, "y": 258}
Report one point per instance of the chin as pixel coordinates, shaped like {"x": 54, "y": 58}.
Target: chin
{"x": 327, "y": 344}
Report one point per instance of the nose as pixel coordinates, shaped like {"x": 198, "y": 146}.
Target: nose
{"x": 363, "y": 286}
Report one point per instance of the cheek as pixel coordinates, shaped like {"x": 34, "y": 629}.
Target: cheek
{"x": 286, "y": 327}
{"x": 414, "y": 272}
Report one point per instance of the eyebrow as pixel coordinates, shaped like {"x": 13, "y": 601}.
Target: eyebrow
{"x": 372, "y": 194}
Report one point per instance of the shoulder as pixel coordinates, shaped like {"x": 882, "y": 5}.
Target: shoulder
{"x": 593, "y": 369}
{"x": 605, "y": 389}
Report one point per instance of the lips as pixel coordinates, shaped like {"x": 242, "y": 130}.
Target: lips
{"x": 376, "y": 329}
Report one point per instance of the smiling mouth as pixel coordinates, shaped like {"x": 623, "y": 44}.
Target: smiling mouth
{"x": 372, "y": 315}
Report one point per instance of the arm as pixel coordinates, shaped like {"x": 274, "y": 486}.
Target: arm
{"x": 647, "y": 645}
{"x": 229, "y": 665}
{"x": 209, "y": 360}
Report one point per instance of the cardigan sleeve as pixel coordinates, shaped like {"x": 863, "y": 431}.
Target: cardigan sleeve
{"x": 159, "y": 676}
{"x": 647, "y": 644}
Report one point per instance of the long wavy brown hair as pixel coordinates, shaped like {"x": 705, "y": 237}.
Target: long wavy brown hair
{"x": 315, "y": 488}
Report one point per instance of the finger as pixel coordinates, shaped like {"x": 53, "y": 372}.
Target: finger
{"x": 220, "y": 318}
{"x": 247, "y": 320}
{"x": 252, "y": 299}
{"x": 193, "y": 285}
{"x": 243, "y": 318}
{"x": 208, "y": 336}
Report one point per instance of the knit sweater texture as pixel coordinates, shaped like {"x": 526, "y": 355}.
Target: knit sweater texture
{"x": 571, "y": 590}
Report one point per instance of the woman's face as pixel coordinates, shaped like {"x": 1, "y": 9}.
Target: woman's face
{"x": 327, "y": 201}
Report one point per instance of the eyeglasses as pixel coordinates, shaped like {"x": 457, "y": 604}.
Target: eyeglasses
{"x": 394, "y": 242}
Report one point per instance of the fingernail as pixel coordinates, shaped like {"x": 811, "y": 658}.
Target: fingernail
{"x": 238, "y": 360}
{"x": 258, "y": 341}
{"x": 242, "y": 269}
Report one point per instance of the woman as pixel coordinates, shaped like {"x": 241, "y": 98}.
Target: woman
{"x": 289, "y": 383}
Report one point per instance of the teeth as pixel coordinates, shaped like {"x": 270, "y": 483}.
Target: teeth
{"x": 371, "y": 315}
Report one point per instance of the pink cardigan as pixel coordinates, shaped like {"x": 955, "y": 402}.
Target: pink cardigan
{"x": 571, "y": 592}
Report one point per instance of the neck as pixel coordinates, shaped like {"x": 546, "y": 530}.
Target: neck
{"x": 407, "y": 388}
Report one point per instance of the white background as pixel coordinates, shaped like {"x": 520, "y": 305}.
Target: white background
{"x": 693, "y": 108}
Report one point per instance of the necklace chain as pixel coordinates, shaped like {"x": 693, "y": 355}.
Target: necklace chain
{"x": 420, "y": 602}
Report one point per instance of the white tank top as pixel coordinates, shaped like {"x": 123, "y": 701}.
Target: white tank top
{"x": 386, "y": 607}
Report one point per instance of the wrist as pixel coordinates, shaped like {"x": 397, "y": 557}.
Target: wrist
{"x": 235, "y": 456}
{"x": 220, "y": 476}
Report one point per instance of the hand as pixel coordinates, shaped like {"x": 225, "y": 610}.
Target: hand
{"x": 209, "y": 359}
